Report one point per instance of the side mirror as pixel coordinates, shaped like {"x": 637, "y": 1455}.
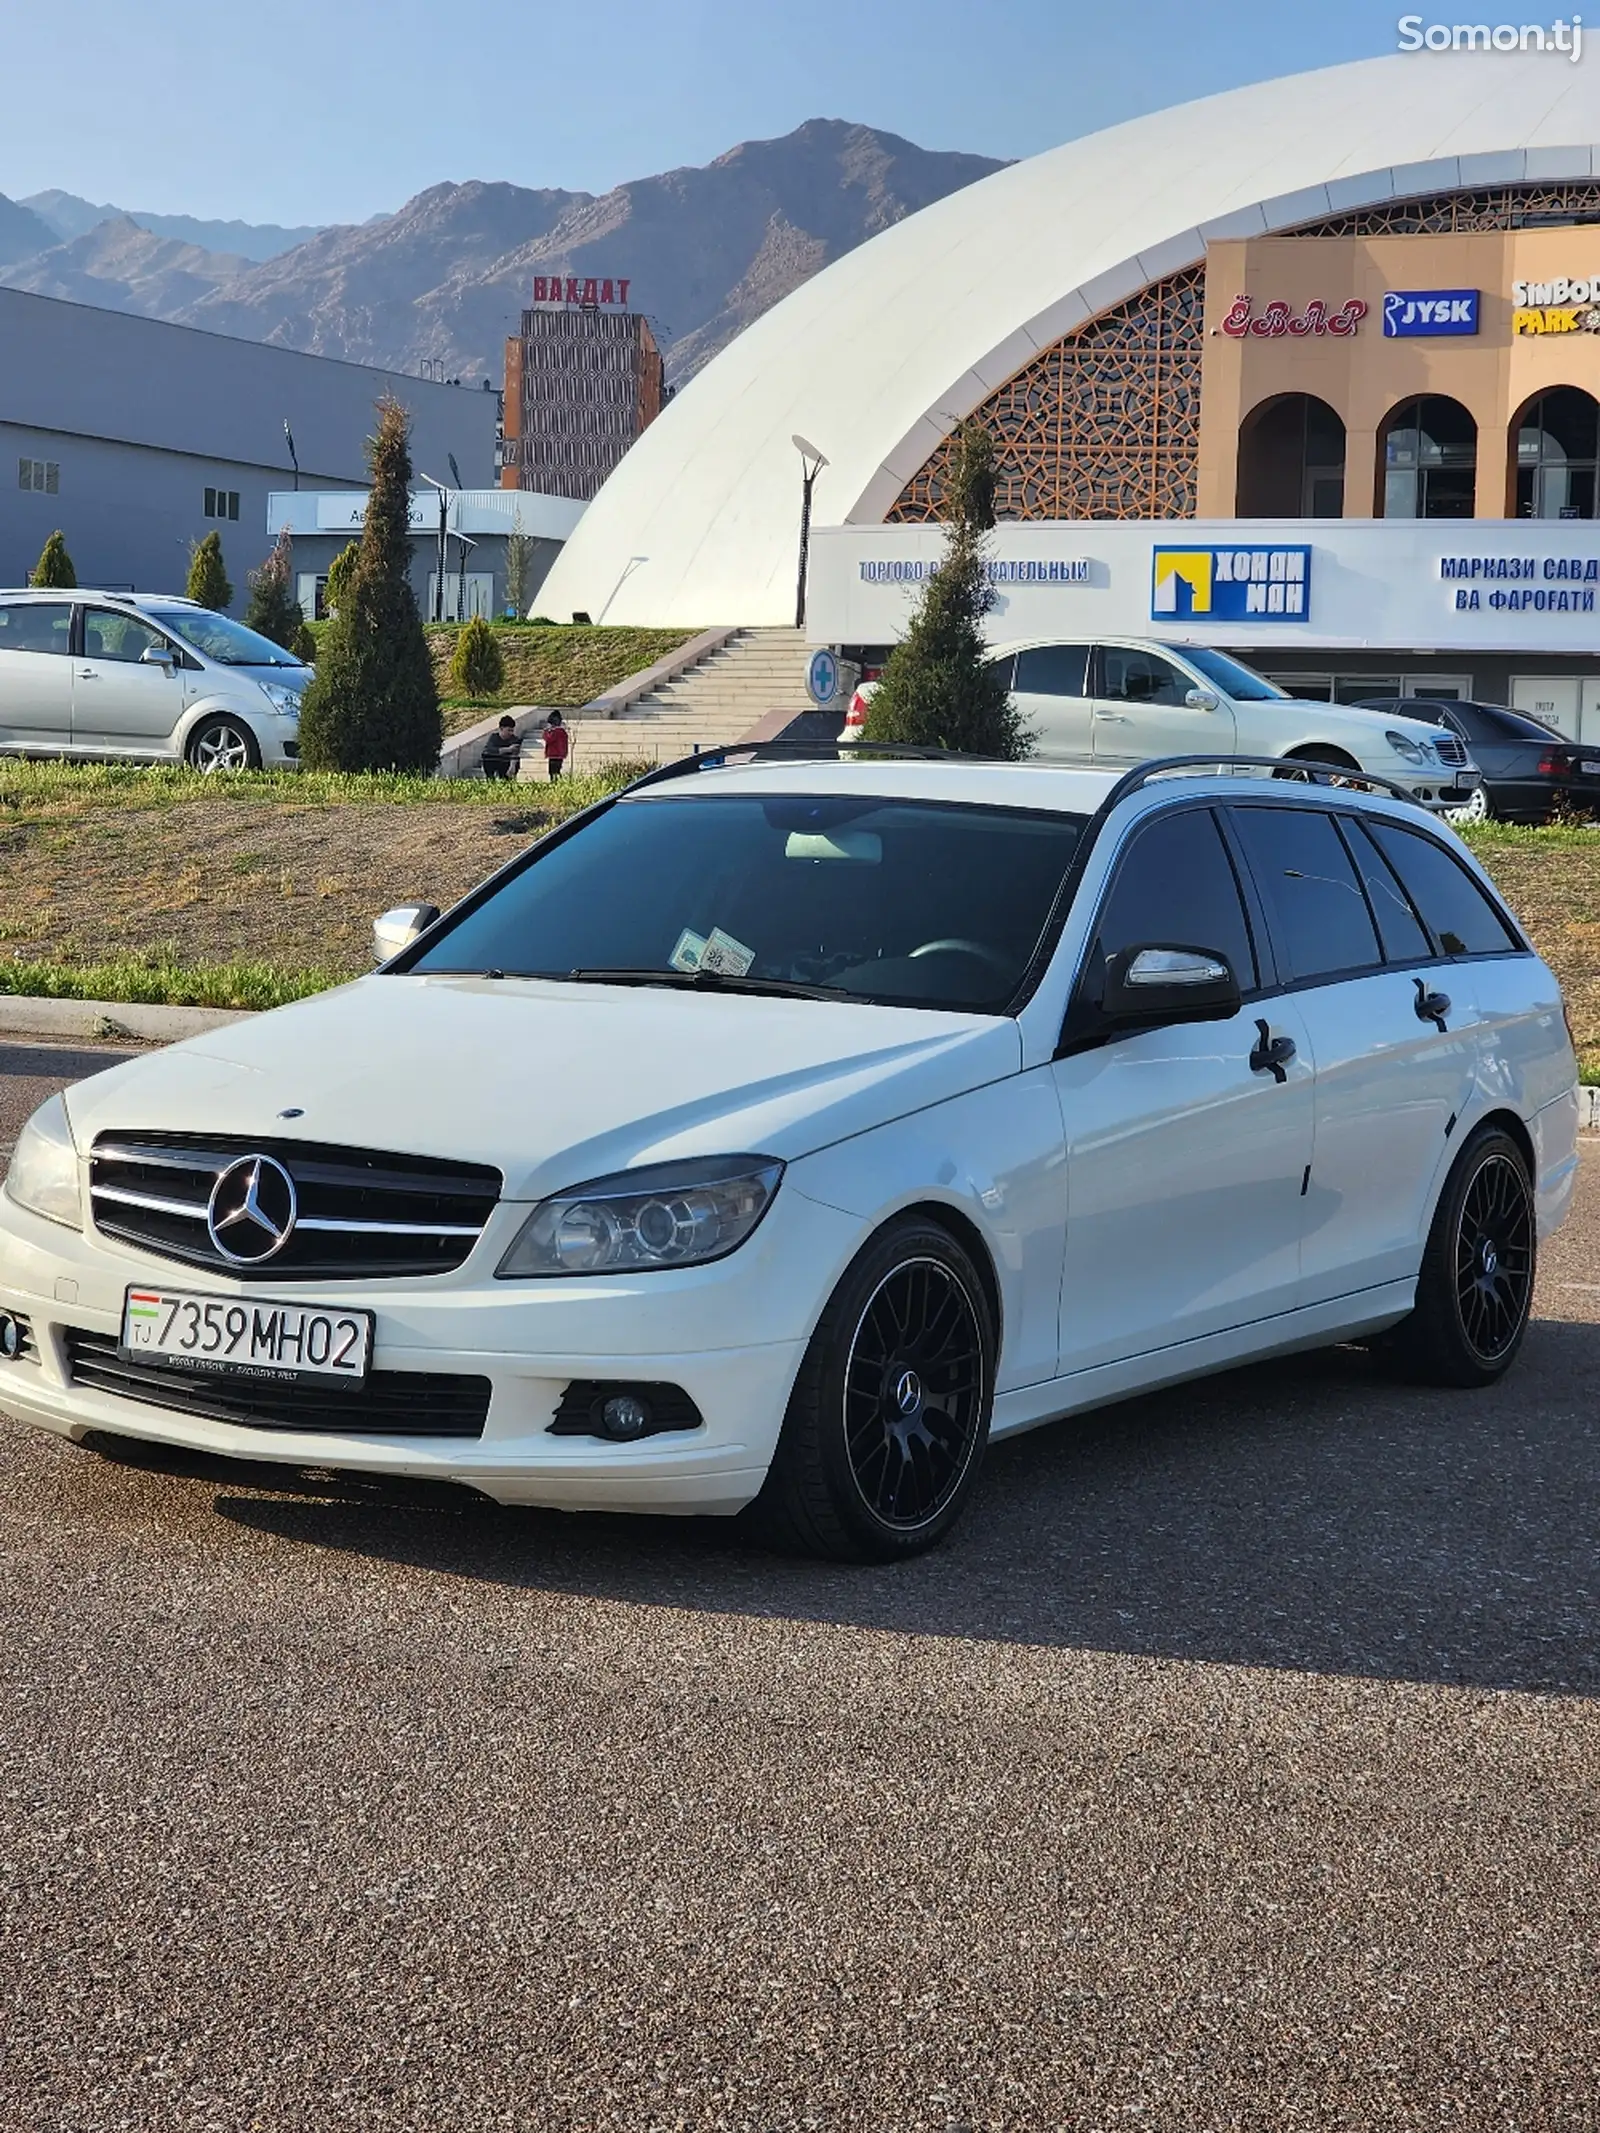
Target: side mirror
{"x": 159, "y": 655}
{"x": 1202, "y": 700}
{"x": 1150, "y": 986}
{"x": 398, "y": 928}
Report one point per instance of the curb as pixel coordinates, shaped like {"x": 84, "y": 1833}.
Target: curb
{"x": 23, "y": 1014}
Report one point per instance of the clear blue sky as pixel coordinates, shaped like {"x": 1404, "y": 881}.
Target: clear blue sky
{"x": 333, "y": 110}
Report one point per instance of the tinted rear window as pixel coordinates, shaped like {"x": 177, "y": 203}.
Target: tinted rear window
{"x": 1051, "y": 670}
{"x": 1308, "y": 882}
{"x": 1461, "y": 916}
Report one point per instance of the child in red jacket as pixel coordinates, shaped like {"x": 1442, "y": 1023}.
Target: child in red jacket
{"x": 557, "y": 741}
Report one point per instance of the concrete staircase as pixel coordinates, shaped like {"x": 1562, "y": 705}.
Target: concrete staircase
{"x": 756, "y": 672}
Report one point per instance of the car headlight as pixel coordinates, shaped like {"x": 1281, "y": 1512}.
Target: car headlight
{"x": 44, "y": 1167}
{"x": 284, "y": 701}
{"x": 677, "y": 1214}
{"x": 1404, "y": 745}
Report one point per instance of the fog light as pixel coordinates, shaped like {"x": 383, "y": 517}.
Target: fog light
{"x": 10, "y": 1337}
{"x": 625, "y": 1416}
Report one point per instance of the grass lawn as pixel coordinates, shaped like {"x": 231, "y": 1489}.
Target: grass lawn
{"x": 160, "y": 885}
{"x": 567, "y": 664}
{"x": 128, "y": 884}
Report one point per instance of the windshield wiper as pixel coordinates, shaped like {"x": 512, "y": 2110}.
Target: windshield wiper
{"x": 704, "y": 981}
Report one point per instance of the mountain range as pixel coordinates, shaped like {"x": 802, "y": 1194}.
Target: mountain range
{"x": 444, "y": 279}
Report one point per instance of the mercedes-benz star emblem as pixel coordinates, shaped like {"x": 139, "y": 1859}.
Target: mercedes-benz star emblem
{"x": 252, "y": 1209}
{"x": 908, "y": 1392}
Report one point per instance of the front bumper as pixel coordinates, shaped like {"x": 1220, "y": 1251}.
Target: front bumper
{"x": 1438, "y": 790}
{"x": 530, "y": 1340}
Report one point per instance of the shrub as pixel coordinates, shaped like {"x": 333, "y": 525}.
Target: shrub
{"x": 273, "y": 609}
{"x": 477, "y": 668}
{"x": 340, "y": 571}
{"x": 208, "y": 578}
{"x": 939, "y": 689}
{"x": 54, "y": 568}
{"x": 373, "y": 704}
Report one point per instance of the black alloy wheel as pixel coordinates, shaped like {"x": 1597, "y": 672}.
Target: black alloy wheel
{"x": 913, "y": 1388}
{"x": 1475, "y": 1290}
{"x": 1494, "y": 1257}
{"x": 889, "y": 1417}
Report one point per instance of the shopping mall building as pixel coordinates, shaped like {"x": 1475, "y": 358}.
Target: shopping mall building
{"x": 1310, "y": 370}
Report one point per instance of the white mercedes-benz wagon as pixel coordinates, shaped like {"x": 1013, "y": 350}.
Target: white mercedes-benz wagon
{"x": 781, "y": 1132}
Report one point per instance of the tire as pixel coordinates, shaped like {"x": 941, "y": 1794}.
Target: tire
{"x": 1326, "y": 758}
{"x": 889, "y": 1418}
{"x": 1475, "y": 1290}
{"x": 1478, "y": 809}
{"x": 222, "y": 742}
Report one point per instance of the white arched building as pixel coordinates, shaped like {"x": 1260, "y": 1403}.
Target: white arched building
{"x": 1083, "y": 303}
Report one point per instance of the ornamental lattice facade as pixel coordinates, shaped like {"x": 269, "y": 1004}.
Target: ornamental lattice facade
{"x": 1105, "y": 423}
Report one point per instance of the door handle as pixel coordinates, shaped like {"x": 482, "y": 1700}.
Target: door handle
{"x": 1272, "y": 1054}
{"x": 1431, "y": 1006}
{"x": 88, "y": 674}
{"x": 1115, "y": 718}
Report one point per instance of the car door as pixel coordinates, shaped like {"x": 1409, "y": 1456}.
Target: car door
{"x": 35, "y": 674}
{"x": 1392, "y": 1076}
{"x": 1142, "y": 710}
{"x": 119, "y": 703}
{"x": 1186, "y": 1146}
{"x": 1048, "y": 688}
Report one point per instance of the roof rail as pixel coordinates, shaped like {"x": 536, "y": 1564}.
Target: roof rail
{"x": 1295, "y": 767}
{"x": 732, "y": 752}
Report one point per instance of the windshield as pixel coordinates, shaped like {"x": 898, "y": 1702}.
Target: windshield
{"x": 1242, "y": 683}
{"x": 902, "y": 902}
{"x": 229, "y": 643}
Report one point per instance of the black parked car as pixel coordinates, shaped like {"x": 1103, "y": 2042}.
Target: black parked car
{"x": 1527, "y": 768}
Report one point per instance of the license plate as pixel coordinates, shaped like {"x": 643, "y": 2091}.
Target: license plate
{"x": 1466, "y": 781}
{"x": 284, "y": 1342}
{"x": 1590, "y": 770}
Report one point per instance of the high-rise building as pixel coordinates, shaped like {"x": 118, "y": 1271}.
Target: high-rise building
{"x": 582, "y": 382}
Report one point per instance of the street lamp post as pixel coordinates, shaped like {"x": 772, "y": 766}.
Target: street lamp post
{"x": 812, "y": 463}
{"x": 294, "y": 459}
{"x": 444, "y": 538}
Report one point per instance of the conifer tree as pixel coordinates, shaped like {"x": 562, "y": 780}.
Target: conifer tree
{"x": 939, "y": 688}
{"x": 54, "y": 570}
{"x": 208, "y": 577}
{"x": 274, "y": 611}
{"x": 476, "y": 667}
{"x": 374, "y": 704}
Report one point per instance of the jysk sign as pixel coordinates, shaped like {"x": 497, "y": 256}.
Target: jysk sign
{"x": 1231, "y": 585}
{"x": 1413, "y": 314}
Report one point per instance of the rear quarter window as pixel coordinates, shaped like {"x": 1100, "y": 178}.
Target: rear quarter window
{"x": 1458, "y": 911}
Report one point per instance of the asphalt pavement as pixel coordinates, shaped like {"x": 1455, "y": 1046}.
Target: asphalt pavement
{"x": 1234, "y": 1767}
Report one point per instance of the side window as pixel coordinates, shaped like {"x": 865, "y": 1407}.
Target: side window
{"x": 36, "y": 626}
{"x": 1399, "y": 927}
{"x": 110, "y": 635}
{"x": 1461, "y": 916}
{"x": 1005, "y": 667}
{"x": 1308, "y": 883}
{"x": 1051, "y": 670}
{"x": 1132, "y": 677}
{"x": 1175, "y": 886}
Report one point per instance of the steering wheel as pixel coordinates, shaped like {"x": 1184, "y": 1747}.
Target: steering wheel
{"x": 954, "y": 946}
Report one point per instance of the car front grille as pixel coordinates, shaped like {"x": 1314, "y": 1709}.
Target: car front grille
{"x": 359, "y": 1215}
{"x": 392, "y": 1403}
{"x": 1451, "y": 749}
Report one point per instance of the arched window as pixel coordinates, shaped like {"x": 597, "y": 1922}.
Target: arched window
{"x": 1557, "y": 447}
{"x": 1291, "y": 460}
{"x": 1430, "y": 460}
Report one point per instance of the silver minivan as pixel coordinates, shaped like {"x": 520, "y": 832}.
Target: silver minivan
{"x": 149, "y": 677}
